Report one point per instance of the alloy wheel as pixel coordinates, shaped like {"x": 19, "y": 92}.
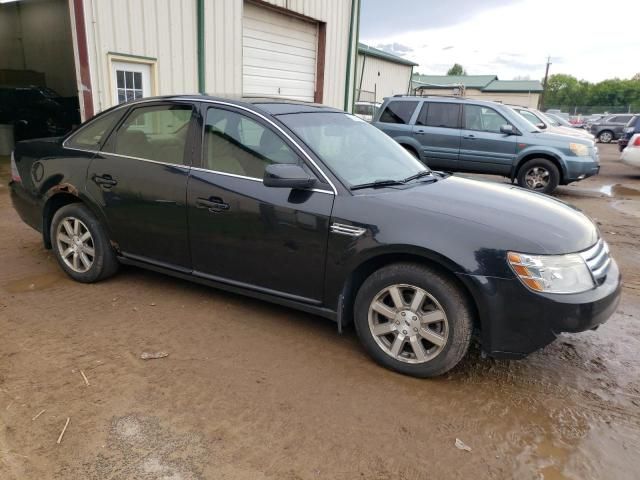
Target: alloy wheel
{"x": 408, "y": 323}
{"x": 606, "y": 137}
{"x": 537, "y": 178}
{"x": 75, "y": 244}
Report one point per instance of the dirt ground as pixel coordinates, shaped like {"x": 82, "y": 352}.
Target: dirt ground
{"x": 255, "y": 391}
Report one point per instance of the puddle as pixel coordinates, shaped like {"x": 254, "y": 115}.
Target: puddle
{"x": 630, "y": 207}
{"x": 619, "y": 191}
{"x": 33, "y": 283}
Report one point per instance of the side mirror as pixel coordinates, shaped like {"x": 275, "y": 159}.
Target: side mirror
{"x": 541, "y": 126}
{"x": 284, "y": 175}
{"x": 507, "y": 130}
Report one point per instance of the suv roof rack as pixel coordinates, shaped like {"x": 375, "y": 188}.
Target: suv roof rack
{"x": 430, "y": 95}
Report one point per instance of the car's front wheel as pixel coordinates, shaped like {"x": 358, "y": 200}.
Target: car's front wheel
{"x": 81, "y": 245}
{"x": 413, "y": 319}
{"x": 539, "y": 175}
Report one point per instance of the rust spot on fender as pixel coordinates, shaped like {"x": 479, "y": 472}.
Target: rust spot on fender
{"x": 64, "y": 188}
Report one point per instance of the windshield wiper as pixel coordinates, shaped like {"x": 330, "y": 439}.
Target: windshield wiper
{"x": 421, "y": 174}
{"x": 378, "y": 183}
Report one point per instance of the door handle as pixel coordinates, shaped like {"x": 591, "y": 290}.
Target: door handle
{"x": 213, "y": 204}
{"x": 420, "y": 132}
{"x": 105, "y": 181}
{"x": 469, "y": 137}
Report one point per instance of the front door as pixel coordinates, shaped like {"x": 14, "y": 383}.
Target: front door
{"x": 243, "y": 233}
{"x": 139, "y": 179}
{"x": 437, "y": 129}
{"x": 483, "y": 148}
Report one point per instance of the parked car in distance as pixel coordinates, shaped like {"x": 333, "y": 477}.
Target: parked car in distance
{"x": 610, "y": 128}
{"x": 466, "y": 135}
{"x": 632, "y": 127}
{"x": 631, "y": 153}
{"x": 559, "y": 113}
{"x": 37, "y": 111}
{"x": 557, "y": 120}
{"x": 366, "y": 110}
{"x": 592, "y": 119}
{"x": 548, "y": 124}
{"x": 307, "y": 206}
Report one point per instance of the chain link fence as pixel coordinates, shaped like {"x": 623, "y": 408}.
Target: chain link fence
{"x": 574, "y": 110}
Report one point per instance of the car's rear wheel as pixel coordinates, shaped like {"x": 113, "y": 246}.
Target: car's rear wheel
{"x": 605, "y": 137}
{"x": 539, "y": 175}
{"x": 413, "y": 320}
{"x": 81, "y": 245}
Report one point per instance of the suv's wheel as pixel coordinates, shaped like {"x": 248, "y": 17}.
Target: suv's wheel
{"x": 539, "y": 175}
{"x": 413, "y": 320}
{"x": 605, "y": 136}
{"x": 81, "y": 245}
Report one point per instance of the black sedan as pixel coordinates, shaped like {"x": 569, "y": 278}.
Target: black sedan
{"x": 307, "y": 206}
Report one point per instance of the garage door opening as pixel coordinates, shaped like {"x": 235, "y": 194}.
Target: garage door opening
{"x": 38, "y": 88}
{"x": 279, "y": 54}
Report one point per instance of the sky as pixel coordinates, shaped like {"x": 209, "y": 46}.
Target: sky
{"x": 592, "y": 40}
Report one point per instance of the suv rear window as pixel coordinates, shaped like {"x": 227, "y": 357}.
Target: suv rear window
{"x": 445, "y": 115}
{"x": 398, "y": 112}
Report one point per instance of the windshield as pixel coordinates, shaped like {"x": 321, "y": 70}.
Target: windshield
{"x": 355, "y": 151}
{"x": 556, "y": 120}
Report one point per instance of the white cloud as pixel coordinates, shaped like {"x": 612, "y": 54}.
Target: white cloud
{"x": 515, "y": 40}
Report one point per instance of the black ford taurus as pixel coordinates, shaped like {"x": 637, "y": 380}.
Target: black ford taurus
{"x": 309, "y": 207}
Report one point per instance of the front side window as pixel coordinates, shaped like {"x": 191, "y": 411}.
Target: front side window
{"x": 354, "y": 150}
{"x": 91, "y": 136}
{"x": 398, "y": 112}
{"x": 443, "y": 115}
{"x": 156, "y": 133}
{"x": 239, "y": 145}
{"x": 530, "y": 117}
{"x": 484, "y": 119}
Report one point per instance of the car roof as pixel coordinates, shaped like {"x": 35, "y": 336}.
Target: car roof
{"x": 442, "y": 99}
{"x": 271, "y": 106}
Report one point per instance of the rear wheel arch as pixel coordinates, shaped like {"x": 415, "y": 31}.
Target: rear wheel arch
{"x": 366, "y": 268}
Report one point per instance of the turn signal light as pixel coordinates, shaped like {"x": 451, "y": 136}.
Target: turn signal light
{"x": 15, "y": 175}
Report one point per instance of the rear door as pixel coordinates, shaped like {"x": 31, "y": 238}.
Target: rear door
{"x": 139, "y": 180}
{"x": 437, "y": 129}
{"x": 244, "y": 233}
{"x": 483, "y": 148}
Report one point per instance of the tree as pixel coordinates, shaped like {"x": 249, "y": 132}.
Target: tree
{"x": 457, "y": 69}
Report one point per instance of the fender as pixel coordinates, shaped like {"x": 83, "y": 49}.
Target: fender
{"x": 410, "y": 142}
{"x": 532, "y": 151}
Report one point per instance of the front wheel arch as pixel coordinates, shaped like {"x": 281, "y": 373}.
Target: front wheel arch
{"x": 367, "y": 267}
{"x": 552, "y": 158}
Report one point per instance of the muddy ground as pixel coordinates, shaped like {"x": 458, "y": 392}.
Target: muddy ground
{"x": 255, "y": 391}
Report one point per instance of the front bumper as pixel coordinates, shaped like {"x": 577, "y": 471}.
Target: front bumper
{"x": 579, "y": 168}
{"x": 516, "y": 321}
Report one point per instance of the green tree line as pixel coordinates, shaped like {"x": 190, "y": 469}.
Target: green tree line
{"x": 567, "y": 90}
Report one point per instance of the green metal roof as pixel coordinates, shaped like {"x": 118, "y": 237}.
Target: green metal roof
{"x": 514, "y": 86}
{"x": 374, "y": 52}
{"x": 469, "y": 81}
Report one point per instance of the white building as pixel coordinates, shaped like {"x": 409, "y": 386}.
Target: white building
{"x": 108, "y": 51}
{"x": 380, "y": 74}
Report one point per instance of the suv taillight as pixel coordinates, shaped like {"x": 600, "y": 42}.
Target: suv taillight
{"x": 636, "y": 142}
{"x": 15, "y": 176}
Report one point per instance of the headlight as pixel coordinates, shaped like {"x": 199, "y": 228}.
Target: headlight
{"x": 552, "y": 273}
{"x": 579, "y": 149}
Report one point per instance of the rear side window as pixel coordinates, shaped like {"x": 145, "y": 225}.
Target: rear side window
{"x": 398, "y": 112}
{"x": 445, "y": 115}
{"x": 91, "y": 136}
{"x": 634, "y": 122}
{"x": 156, "y": 133}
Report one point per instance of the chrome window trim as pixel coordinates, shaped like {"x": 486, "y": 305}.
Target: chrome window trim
{"x": 215, "y": 102}
{"x": 179, "y": 165}
{"x": 253, "y": 179}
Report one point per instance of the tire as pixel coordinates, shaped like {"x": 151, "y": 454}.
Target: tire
{"x": 77, "y": 233}
{"x": 606, "y": 136}
{"x": 443, "y": 303}
{"x": 539, "y": 175}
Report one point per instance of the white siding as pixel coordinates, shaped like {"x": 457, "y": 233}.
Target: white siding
{"x": 161, "y": 29}
{"x": 167, "y": 30}
{"x": 384, "y": 77}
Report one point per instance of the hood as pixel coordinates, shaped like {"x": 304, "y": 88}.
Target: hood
{"x": 536, "y": 220}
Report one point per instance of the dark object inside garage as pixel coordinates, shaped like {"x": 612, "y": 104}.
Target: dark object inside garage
{"x": 38, "y": 88}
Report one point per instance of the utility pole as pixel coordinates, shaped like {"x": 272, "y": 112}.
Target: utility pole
{"x": 544, "y": 85}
